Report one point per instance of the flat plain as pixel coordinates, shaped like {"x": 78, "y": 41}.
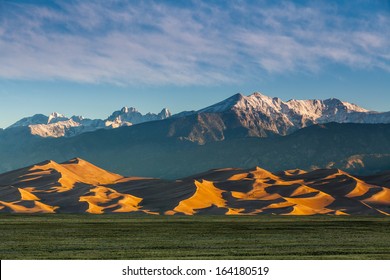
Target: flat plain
{"x": 125, "y": 236}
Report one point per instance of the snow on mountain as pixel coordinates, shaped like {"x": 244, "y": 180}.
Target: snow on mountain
{"x": 129, "y": 116}
{"x": 57, "y": 129}
{"x": 40, "y": 119}
{"x": 256, "y": 115}
{"x": 56, "y": 117}
{"x": 58, "y": 125}
{"x": 273, "y": 114}
{"x": 36, "y": 119}
{"x": 224, "y": 105}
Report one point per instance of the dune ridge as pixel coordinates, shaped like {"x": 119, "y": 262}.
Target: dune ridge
{"x": 77, "y": 186}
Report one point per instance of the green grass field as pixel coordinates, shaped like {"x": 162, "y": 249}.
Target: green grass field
{"x": 119, "y": 236}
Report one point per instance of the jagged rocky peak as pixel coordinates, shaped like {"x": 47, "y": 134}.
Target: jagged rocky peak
{"x": 130, "y": 115}
{"x": 313, "y": 107}
{"x": 260, "y": 101}
{"x": 58, "y": 125}
{"x": 165, "y": 113}
{"x": 56, "y": 117}
{"x": 256, "y": 115}
{"x": 262, "y": 115}
{"x": 77, "y": 118}
{"x": 238, "y": 102}
{"x": 128, "y": 110}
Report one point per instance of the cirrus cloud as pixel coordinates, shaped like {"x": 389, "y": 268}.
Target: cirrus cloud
{"x": 157, "y": 43}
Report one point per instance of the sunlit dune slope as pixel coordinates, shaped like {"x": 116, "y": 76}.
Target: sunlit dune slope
{"x": 52, "y": 187}
{"x": 205, "y": 196}
{"x": 77, "y": 186}
{"x": 102, "y": 199}
{"x": 90, "y": 173}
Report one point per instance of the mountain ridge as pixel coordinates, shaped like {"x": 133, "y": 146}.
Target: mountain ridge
{"x": 147, "y": 150}
{"x": 264, "y": 116}
{"x": 256, "y": 115}
{"x": 57, "y": 125}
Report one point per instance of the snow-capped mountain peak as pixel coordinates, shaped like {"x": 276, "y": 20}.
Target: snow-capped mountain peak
{"x": 165, "y": 113}
{"x": 260, "y": 102}
{"x": 258, "y": 114}
{"x": 35, "y": 119}
{"x": 261, "y": 112}
{"x": 354, "y": 108}
{"x": 58, "y": 125}
{"x": 128, "y": 110}
{"x": 129, "y": 116}
{"x": 56, "y": 117}
{"x": 224, "y": 105}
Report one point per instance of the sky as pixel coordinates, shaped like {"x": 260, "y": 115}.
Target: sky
{"x": 89, "y": 58}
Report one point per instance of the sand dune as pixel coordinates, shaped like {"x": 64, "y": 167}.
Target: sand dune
{"x": 381, "y": 197}
{"x": 27, "y": 195}
{"x": 102, "y": 199}
{"x": 79, "y": 186}
{"x": 90, "y": 173}
{"x": 206, "y": 195}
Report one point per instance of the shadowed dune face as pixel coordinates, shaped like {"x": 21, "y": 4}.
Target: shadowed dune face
{"x": 77, "y": 186}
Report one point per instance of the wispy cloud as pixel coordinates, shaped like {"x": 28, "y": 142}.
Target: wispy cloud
{"x": 147, "y": 42}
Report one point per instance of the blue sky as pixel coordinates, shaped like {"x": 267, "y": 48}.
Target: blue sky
{"x": 93, "y": 57}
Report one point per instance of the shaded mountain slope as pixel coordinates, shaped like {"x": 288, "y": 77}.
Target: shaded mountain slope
{"x": 147, "y": 150}
{"x": 241, "y": 131}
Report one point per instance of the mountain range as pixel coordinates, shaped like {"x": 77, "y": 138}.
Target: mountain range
{"x": 256, "y": 115}
{"x": 57, "y": 125}
{"x": 264, "y": 116}
{"x": 241, "y": 131}
{"x": 77, "y": 186}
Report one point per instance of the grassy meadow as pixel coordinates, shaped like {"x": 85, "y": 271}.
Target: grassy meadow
{"x": 123, "y": 236}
